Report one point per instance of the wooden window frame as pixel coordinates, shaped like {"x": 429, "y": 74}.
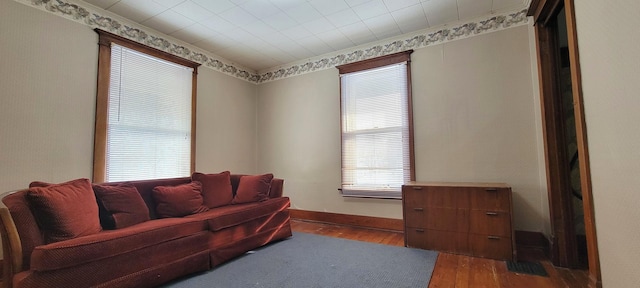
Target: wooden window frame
{"x": 105, "y": 39}
{"x": 404, "y": 56}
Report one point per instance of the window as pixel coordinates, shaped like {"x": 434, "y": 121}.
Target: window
{"x": 144, "y": 112}
{"x": 377, "y": 136}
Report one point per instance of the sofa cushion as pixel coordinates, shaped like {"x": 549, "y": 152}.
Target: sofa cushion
{"x": 231, "y": 215}
{"x": 216, "y": 188}
{"x": 65, "y": 211}
{"x": 120, "y": 206}
{"x": 110, "y": 243}
{"x": 178, "y": 201}
{"x": 253, "y": 188}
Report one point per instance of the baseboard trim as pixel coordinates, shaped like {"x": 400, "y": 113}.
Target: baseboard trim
{"x": 349, "y": 220}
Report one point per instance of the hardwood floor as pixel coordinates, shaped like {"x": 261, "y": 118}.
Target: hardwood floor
{"x": 456, "y": 270}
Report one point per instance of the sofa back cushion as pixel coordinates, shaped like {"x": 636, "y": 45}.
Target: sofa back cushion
{"x": 275, "y": 190}
{"x": 253, "y": 188}
{"x": 65, "y": 211}
{"x": 179, "y": 201}
{"x": 120, "y": 206}
{"x": 145, "y": 188}
{"x": 216, "y": 188}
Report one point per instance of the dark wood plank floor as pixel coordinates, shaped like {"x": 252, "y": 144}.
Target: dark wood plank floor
{"x": 456, "y": 270}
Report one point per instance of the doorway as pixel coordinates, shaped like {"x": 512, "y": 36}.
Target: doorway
{"x": 573, "y": 236}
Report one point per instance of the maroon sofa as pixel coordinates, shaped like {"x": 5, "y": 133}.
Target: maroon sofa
{"x": 144, "y": 254}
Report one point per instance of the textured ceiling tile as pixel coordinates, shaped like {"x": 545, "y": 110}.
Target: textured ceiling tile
{"x": 280, "y": 21}
{"x": 216, "y": 23}
{"x": 319, "y": 25}
{"x": 394, "y": 5}
{"x": 371, "y": 9}
{"x": 303, "y": 13}
{"x": 327, "y": 7}
{"x": 168, "y": 22}
{"x": 260, "y": 8}
{"x": 169, "y": 3}
{"x": 137, "y": 10}
{"x": 353, "y": 3}
{"x": 297, "y": 32}
{"x": 238, "y": 16}
{"x": 440, "y": 12}
{"x": 358, "y": 33}
{"x": 194, "y": 33}
{"x": 192, "y": 11}
{"x": 343, "y": 18}
{"x": 217, "y": 6}
{"x": 410, "y": 19}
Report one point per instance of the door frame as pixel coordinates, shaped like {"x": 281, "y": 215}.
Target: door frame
{"x": 563, "y": 242}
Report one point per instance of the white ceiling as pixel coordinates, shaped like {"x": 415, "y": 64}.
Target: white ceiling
{"x": 263, "y": 34}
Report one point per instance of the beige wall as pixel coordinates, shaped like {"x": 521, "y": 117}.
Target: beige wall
{"x": 226, "y": 123}
{"x": 47, "y": 86}
{"x": 47, "y": 101}
{"x": 608, "y": 41}
{"x": 474, "y": 115}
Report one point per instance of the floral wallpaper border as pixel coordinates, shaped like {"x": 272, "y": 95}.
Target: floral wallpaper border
{"x": 423, "y": 39}
{"x": 96, "y": 18}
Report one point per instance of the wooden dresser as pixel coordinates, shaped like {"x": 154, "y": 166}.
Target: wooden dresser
{"x": 464, "y": 218}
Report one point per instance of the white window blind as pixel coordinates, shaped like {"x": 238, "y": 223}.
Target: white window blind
{"x": 149, "y": 117}
{"x": 375, "y": 132}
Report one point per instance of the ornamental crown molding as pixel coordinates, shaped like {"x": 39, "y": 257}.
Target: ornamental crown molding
{"x": 95, "y": 17}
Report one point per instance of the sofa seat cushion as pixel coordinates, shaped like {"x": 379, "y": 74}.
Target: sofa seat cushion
{"x": 231, "y": 215}
{"x": 110, "y": 243}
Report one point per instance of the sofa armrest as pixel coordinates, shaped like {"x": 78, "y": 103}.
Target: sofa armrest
{"x": 276, "y": 188}
{"x": 11, "y": 245}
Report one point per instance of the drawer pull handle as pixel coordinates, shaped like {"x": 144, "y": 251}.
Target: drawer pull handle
{"x": 420, "y": 230}
{"x": 417, "y": 188}
{"x": 491, "y": 213}
{"x": 491, "y": 189}
{"x": 418, "y": 209}
{"x": 493, "y": 237}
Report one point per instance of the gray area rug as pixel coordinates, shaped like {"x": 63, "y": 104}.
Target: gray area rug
{"x": 308, "y": 260}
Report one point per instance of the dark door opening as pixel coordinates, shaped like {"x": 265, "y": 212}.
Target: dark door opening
{"x": 570, "y": 141}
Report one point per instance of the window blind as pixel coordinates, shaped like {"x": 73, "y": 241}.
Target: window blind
{"x": 375, "y": 132}
{"x": 149, "y": 117}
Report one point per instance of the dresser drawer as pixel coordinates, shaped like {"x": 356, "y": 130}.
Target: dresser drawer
{"x": 495, "y": 199}
{"x": 445, "y": 197}
{"x": 445, "y": 241}
{"x": 486, "y": 222}
{"x": 494, "y": 247}
{"x": 435, "y": 218}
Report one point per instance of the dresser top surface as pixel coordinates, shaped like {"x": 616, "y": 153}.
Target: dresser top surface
{"x": 458, "y": 184}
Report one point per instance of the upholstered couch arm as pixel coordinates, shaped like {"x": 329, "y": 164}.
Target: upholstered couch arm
{"x": 11, "y": 245}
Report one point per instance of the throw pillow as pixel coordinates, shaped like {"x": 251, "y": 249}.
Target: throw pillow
{"x": 120, "y": 206}
{"x": 216, "y": 188}
{"x": 253, "y": 188}
{"x": 178, "y": 201}
{"x": 66, "y": 210}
